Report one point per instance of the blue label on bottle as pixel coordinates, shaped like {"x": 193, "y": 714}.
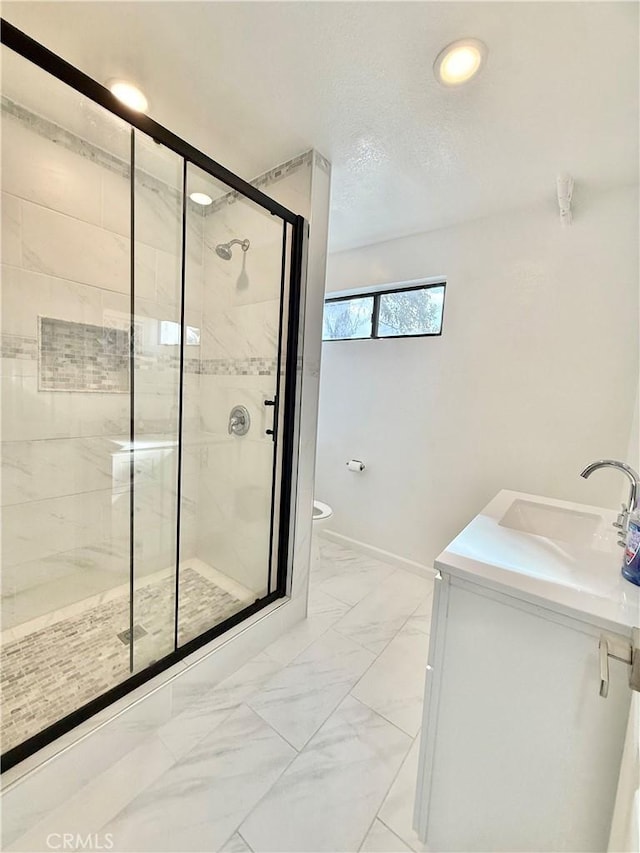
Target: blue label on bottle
{"x": 631, "y": 562}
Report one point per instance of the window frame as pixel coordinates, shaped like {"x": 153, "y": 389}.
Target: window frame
{"x": 375, "y": 314}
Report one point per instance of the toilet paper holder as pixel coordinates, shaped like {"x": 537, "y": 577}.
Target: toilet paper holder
{"x": 355, "y": 465}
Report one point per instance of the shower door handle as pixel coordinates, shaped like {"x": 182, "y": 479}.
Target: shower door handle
{"x": 274, "y": 404}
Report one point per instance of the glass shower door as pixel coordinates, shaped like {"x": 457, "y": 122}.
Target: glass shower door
{"x": 233, "y": 314}
{"x": 149, "y": 381}
{"x": 65, "y": 295}
{"x": 156, "y": 308}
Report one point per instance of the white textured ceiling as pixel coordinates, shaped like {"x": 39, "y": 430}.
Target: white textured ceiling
{"x": 253, "y": 84}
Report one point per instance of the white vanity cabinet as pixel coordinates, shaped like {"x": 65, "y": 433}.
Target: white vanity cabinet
{"x": 519, "y": 751}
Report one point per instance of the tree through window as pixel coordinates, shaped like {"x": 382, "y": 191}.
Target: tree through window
{"x": 403, "y": 312}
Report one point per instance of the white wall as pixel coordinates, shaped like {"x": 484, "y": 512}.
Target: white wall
{"x": 536, "y": 373}
{"x": 633, "y": 453}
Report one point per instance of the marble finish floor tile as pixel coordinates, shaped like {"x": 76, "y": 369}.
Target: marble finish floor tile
{"x": 380, "y": 839}
{"x": 200, "y": 802}
{"x": 394, "y": 685}
{"x": 236, "y": 844}
{"x": 324, "y": 611}
{"x": 379, "y": 616}
{"x": 197, "y": 710}
{"x": 421, "y": 618}
{"x": 333, "y": 559}
{"x": 321, "y": 603}
{"x": 298, "y": 700}
{"x": 100, "y": 800}
{"x": 346, "y": 574}
{"x": 419, "y": 623}
{"x": 28, "y": 800}
{"x": 426, "y": 605}
{"x": 328, "y": 797}
{"x": 397, "y": 810}
{"x": 354, "y": 580}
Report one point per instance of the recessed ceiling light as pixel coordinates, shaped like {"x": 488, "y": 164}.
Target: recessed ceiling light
{"x": 459, "y": 61}
{"x": 129, "y": 95}
{"x": 201, "y": 198}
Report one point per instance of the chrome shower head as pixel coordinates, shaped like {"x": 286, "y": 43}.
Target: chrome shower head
{"x": 223, "y": 250}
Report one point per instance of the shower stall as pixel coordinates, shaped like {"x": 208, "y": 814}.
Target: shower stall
{"x": 150, "y": 331}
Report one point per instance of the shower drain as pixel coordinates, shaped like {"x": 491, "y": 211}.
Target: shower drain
{"x": 125, "y": 636}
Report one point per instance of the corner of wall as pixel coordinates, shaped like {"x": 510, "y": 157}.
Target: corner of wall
{"x": 311, "y": 353}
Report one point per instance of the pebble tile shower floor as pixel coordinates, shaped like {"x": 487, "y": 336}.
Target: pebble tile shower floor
{"x": 52, "y": 671}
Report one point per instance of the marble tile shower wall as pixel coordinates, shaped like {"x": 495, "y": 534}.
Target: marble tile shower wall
{"x": 65, "y": 454}
{"x": 65, "y": 240}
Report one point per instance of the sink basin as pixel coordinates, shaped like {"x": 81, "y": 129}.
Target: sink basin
{"x": 552, "y": 522}
{"x": 563, "y": 553}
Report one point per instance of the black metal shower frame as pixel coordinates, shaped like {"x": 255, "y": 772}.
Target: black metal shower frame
{"x": 284, "y": 411}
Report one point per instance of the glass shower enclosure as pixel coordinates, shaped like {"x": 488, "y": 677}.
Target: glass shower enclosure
{"x": 150, "y": 323}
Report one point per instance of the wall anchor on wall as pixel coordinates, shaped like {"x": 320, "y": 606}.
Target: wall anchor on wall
{"x": 564, "y": 186}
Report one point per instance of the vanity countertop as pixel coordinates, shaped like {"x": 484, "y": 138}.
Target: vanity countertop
{"x": 558, "y": 554}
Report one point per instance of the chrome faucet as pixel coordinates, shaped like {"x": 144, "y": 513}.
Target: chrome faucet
{"x": 622, "y": 522}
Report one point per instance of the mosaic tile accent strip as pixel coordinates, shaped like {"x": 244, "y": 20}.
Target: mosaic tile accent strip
{"x": 264, "y": 180}
{"x": 18, "y": 346}
{"x": 90, "y": 151}
{"x": 322, "y": 162}
{"x": 147, "y": 361}
{"x": 256, "y": 366}
{"x": 253, "y": 366}
{"x": 15, "y": 346}
{"x": 63, "y": 137}
{"x": 57, "y": 669}
{"x": 82, "y": 357}
{"x": 66, "y": 139}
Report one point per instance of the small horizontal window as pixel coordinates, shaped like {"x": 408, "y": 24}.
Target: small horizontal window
{"x": 414, "y": 311}
{"x": 345, "y": 319}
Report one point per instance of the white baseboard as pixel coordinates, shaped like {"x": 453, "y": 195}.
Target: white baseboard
{"x": 379, "y": 554}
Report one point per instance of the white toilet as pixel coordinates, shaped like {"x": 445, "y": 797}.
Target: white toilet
{"x": 321, "y": 514}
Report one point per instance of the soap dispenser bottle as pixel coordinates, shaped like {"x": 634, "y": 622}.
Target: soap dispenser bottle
{"x": 631, "y": 561}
